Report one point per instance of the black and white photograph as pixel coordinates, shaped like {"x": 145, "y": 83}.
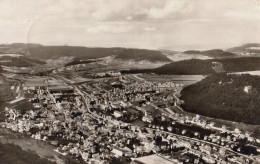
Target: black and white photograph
{"x": 129, "y": 81}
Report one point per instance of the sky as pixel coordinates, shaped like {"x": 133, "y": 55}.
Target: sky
{"x": 151, "y": 24}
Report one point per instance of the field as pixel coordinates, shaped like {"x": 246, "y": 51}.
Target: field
{"x": 256, "y": 73}
{"x": 182, "y": 79}
{"x": 108, "y": 64}
{"x": 6, "y": 94}
{"x": 11, "y": 55}
{"x": 72, "y": 77}
{"x": 13, "y": 154}
{"x": 2, "y": 113}
{"x": 23, "y": 106}
{"x": 153, "y": 159}
{"x": 182, "y": 56}
{"x": 35, "y": 81}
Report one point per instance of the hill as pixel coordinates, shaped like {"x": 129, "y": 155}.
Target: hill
{"x": 205, "y": 67}
{"x": 19, "y": 61}
{"x": 214, "y": 53}
{"x": 217, "y": 53}
{"x": 249, "y": 49}
{"x": 229, "y": 97}
{"x": 82, "y": 53}
{"x": 11, "y": 154}
{"x": 192, "y": 52}
{"x": 193, "y": 66}
{"x": 139, "y": 55}
{"x": 196, "y": 54}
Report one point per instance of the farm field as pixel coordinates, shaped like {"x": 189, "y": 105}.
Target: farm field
{"x": 256, "y": 73}
{"x": 182, "y": 79}
{"x": 154, "y": 159}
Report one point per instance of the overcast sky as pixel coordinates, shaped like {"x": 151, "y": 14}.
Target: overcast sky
{"x": 153, "y": 24}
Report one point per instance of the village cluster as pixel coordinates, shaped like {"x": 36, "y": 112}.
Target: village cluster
{"x": 118, "y": 117}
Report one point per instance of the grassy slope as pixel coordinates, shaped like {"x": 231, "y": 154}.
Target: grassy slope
{"x": 19, "y": 61}
{"x": 6, "y": 94}
{"x": 12, "y": 154}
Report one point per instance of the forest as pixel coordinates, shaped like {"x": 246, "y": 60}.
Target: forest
{"x": 230, "y": 97}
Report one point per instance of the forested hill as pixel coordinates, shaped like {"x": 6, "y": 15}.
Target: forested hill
{"x": 205, "y": 67}
{"x": 214, "y": 53}
{"x": 230, "y": 97}
{"x": 186, "y": 67}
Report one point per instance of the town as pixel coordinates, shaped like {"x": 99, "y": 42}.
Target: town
{"x": 112, "y": 117}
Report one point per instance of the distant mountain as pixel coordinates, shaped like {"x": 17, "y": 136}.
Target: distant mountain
{"x": 215, "y": 53}
{"x": 229, "y": 97}
{"x": 192, "y": 52}
{"x": 16, "y": 48}
{"x": 139, "y": 55}
{"x": 169, "y": 52}
{"x": 249, "y": 49}
{"x": 82, "y": 53}
{"x": 196, "y": 54}
{"x": 196, "y": 66}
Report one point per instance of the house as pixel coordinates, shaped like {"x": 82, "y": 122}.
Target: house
{"x": 206, "y": 149}
{"x": 195, "y": 152}
{"x": 147, "y": 118}
{"x": 169, "y": 128}
{"x": 117, "y": 114}
{"x": 185, "y": 144}
{"x": 208, "y": 159}
{"x": 222, "y": 151}
{"x": 117, "y": 152}
{"x": 127, "y": 151}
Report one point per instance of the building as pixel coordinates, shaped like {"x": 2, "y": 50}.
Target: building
{"x": 117, "y": 114}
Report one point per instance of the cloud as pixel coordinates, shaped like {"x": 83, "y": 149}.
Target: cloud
{"x": 245, "y": 15}
{"x": 169, "y": 8}
{"x": 129, "y": 17}
{"x": 244, "y": 10}
{"x": 149, "y": 28}
{"x": 109, "y": 29}
{"x": 111, "y": 10}
{"x": 124, "y": 22}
